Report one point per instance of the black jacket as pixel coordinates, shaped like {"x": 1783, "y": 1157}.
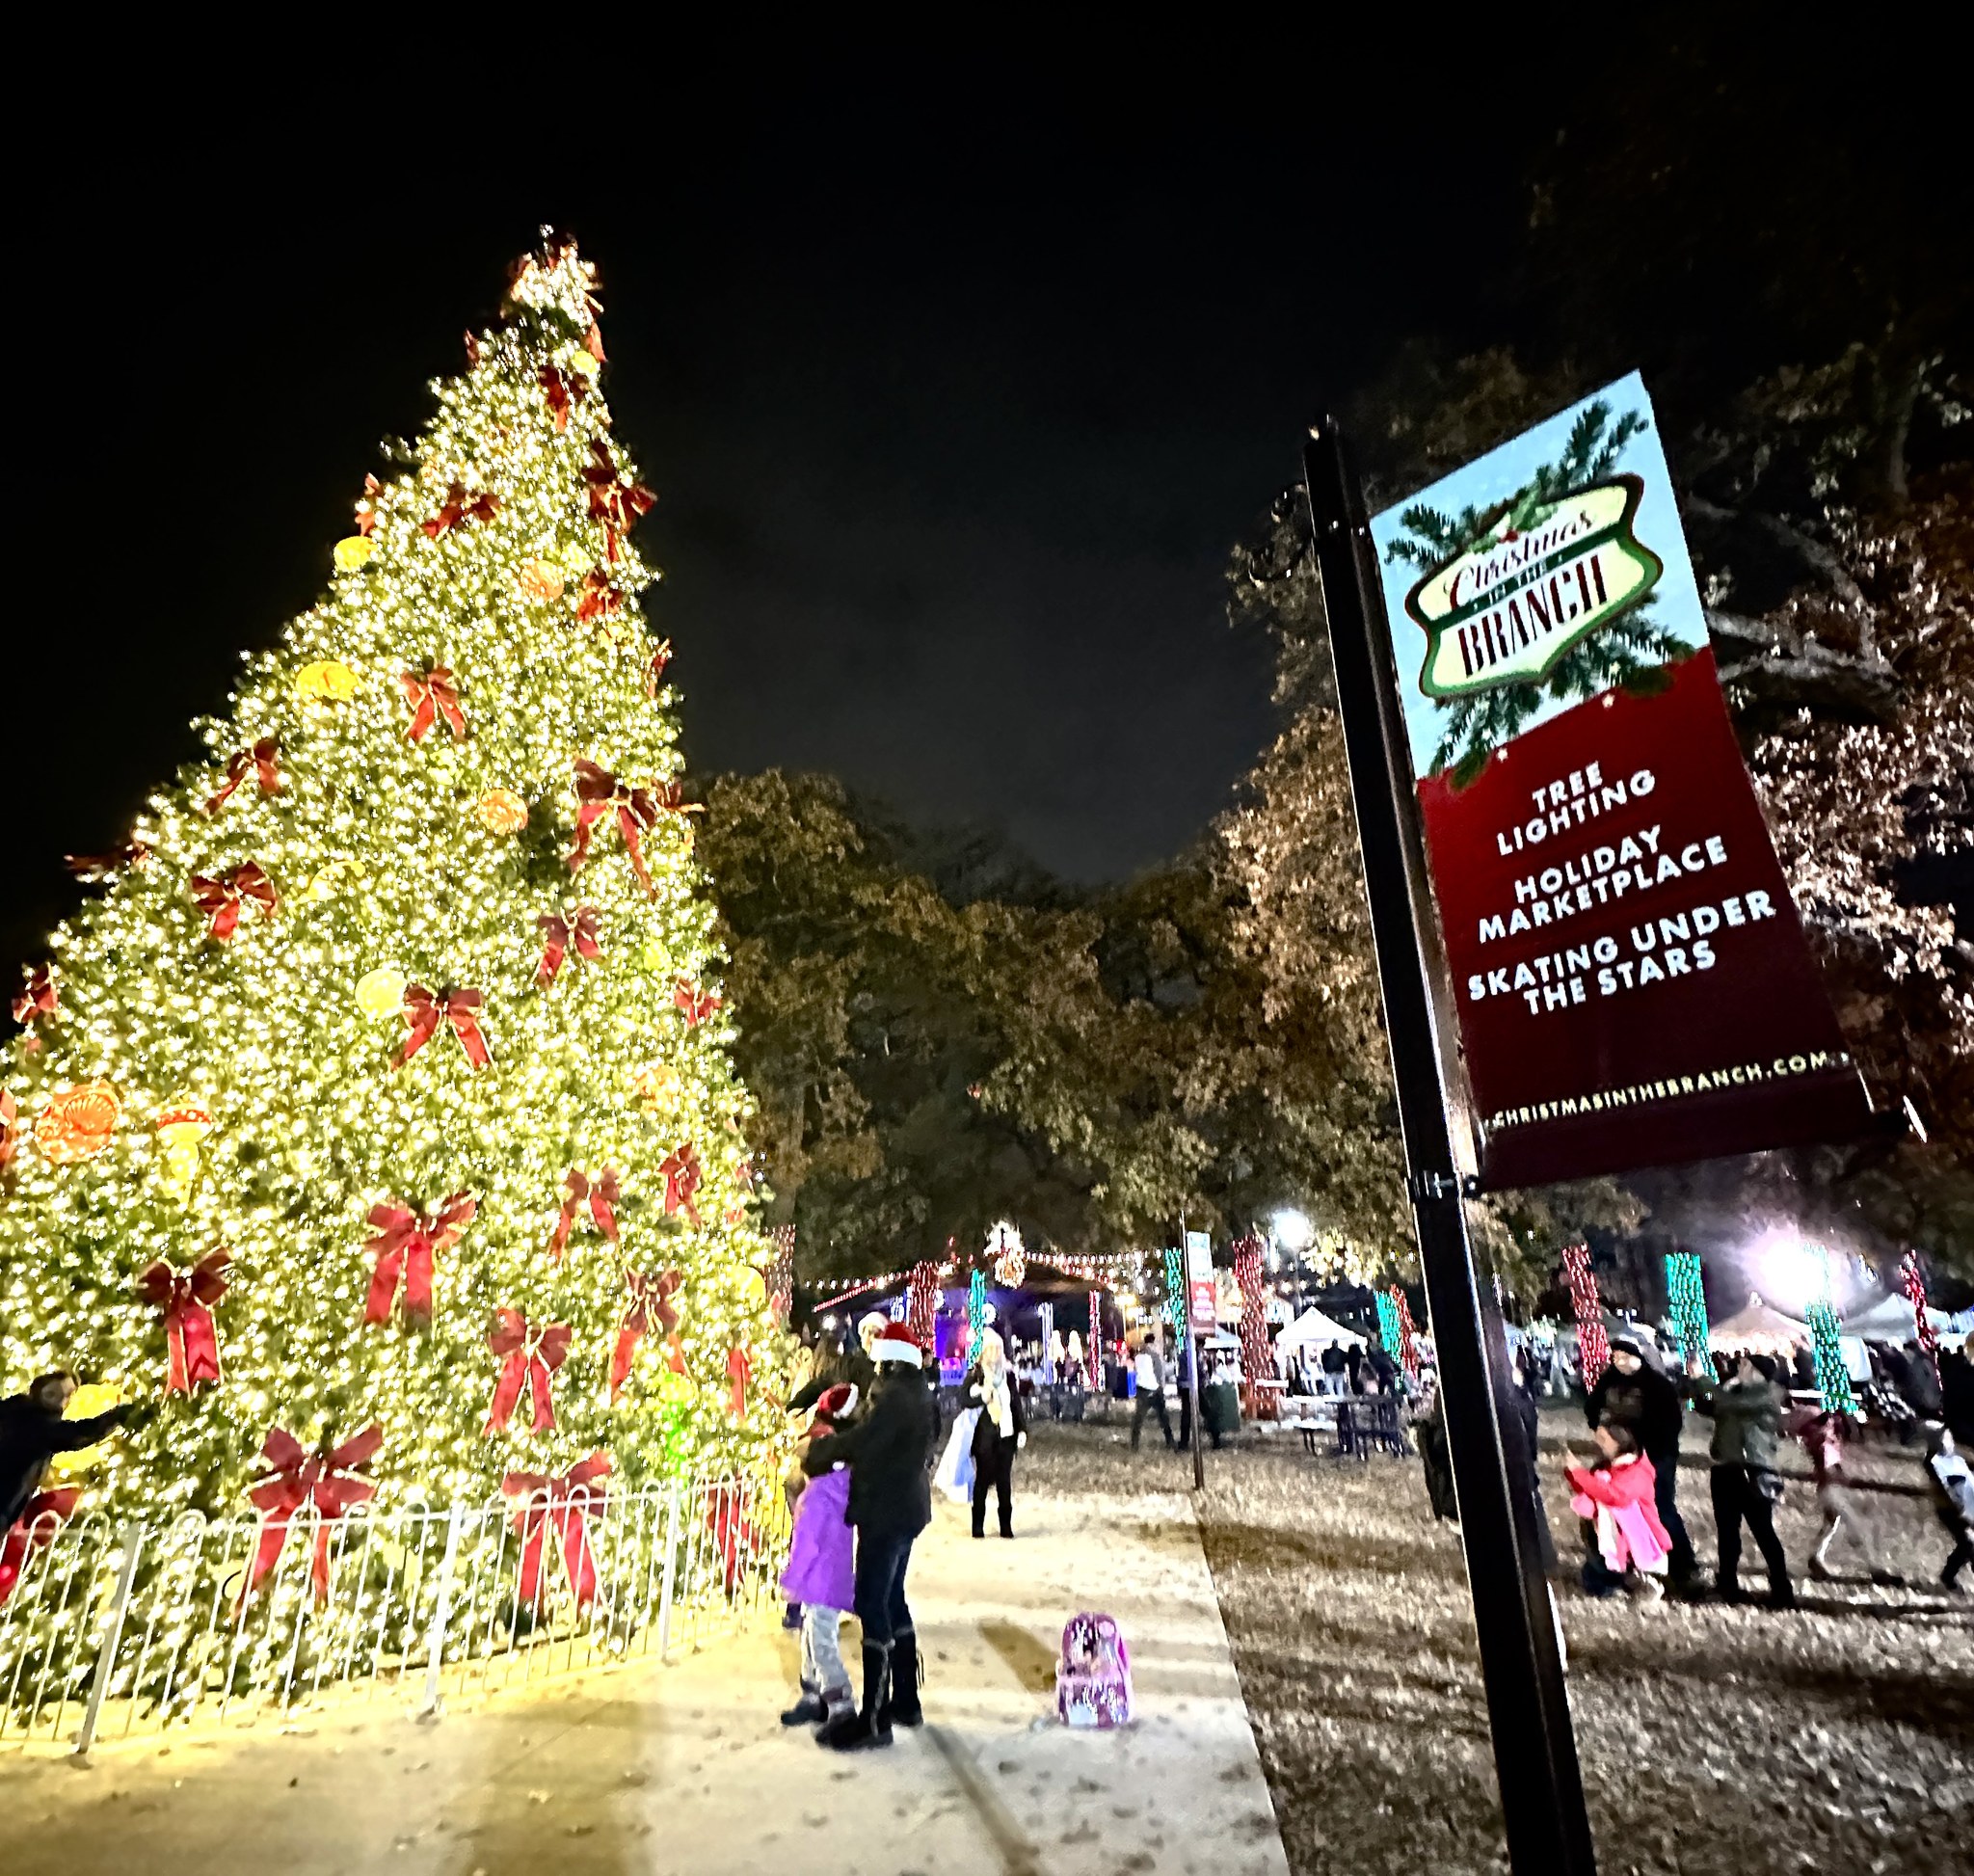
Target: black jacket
{"x": 889, "y": 1452}
{"x": 29, "y": 1436}
{"x": 985, "y": 1433}
{"x": 1646, "y": 1402}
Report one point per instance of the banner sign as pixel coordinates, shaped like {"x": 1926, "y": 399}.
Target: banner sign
{"x": 1633, "y": 984}
{"x": 1202, "y": 1299}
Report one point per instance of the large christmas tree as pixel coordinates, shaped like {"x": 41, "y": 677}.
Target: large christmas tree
{"x": 386, "y": 1082}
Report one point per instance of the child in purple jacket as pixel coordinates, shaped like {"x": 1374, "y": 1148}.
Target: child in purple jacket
{"x": 822, "y": 1573}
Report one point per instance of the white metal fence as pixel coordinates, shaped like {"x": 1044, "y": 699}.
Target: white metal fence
{"x": 115, "y": 1631}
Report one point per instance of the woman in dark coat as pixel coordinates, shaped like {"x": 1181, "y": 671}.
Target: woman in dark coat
{"x": 1001, "y": 1431}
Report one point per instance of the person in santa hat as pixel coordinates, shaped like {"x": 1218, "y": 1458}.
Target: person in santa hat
{"x": 820, "y": 1578}
{"x": 888, "y": 1451}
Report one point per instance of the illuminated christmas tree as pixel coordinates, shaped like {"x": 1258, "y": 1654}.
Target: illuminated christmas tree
{"x": 404, "y": 999}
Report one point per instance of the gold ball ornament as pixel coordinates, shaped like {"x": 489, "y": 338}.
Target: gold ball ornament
{"x": 501, "y": 811}
{"x": 540, "y": 580}
{"x": 90, "y": 1399}
{"x": 353, "y": 551}
{"x": 380, "y": 993}
{"x": 77, "y": 1122}
{"x": 325, "y": 883}
{"x": 326, "y": 680}
{"x": 582, "y": 359}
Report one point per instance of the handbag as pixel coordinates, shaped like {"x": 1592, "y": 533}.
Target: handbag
{"x": 1767, "y": 1484}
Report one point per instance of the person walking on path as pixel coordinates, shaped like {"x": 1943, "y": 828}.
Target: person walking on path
{"x": 33, "y": 1431}
{"x": 1953, "y": 1502}
{"x": 889, "y": 1452}
{"x": 1001, "y": 1430}
{"x": 1747, "y": 1414}
{"x": 1631, "y": 1392}
{"x": 820, "y": 1579}
{"x": 1151, "y": 1392}
{"x": 1824, "y": 1437}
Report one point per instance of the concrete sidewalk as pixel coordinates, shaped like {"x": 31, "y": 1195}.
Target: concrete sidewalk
{"x": 685, "y": 1768}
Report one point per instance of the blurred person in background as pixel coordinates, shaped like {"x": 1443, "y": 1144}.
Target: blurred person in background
{"x": 1746, "y": 1411}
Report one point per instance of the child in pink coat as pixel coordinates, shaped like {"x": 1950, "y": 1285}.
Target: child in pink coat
{"x": 1628, "y": 1544}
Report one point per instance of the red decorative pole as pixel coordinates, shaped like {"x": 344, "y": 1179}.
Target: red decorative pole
{"x": 781, "y": 1271}
{"x": 1912, "y": 1280}
{"x": 1093, "y": 1348}
{"x": 921, "y": 1301}
{"x": 1593, "y": 1346}
{"x": 1254, "y": 1365}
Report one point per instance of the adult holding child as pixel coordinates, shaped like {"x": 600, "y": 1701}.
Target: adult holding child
{"x": 888, "y": 1450}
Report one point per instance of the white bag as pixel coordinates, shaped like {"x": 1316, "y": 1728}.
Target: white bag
{"x": 955, "y": 1474}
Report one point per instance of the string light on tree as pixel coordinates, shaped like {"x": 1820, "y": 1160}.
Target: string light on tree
{"x": 1004, "y": 1249}
{"x": 1912, "y": 1286}
{"x": 1686, "y": 1292}
{"x": 1832, "y": 1378}
{"x": 977, "y": 1313}
{"x": 1175, "y": 1287}
{"x": 1593, "y": 1345}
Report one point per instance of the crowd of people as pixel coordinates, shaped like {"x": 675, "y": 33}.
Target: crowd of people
{"x": 1627, "y": 1498}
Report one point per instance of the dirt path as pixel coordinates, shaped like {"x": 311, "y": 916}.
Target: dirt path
{"x": 684, "y": 1767}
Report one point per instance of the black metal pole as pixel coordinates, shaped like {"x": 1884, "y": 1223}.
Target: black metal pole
{"x": 1528, "y": 1706}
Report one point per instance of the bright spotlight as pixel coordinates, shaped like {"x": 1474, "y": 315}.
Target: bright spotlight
{"x": 1292, "y": 1230}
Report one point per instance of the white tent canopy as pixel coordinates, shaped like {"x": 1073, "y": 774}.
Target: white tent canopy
{"x": 1760, "y": 1327}
{"x": 1313, "y": 1328}
{"x": 1890, "y": 1318}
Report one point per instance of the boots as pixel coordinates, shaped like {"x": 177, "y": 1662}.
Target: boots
{"x": 907, "y": 1671}
{"x": 808, "y": 1711}
{"x": 870, "y": 1724}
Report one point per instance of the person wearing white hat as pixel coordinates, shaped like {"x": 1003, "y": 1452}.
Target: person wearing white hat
{"x": 889, "y": 1452}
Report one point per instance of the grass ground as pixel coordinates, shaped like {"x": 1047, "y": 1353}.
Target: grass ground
{"x": 1838, "y": 1738}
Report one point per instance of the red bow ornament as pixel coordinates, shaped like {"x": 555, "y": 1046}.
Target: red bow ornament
{"x": 651, "y": 1299}
{"x": 40, "y": 1517}
{"x": 597, "y": 598}
{"x": 258, "y": 761}
{"x": 739, "y": 1374}
{"x": 562, "y": 1506}
{"x": 619, "y": 502}
{"x": 561, "y": 936}
{"x": 599, "y": 1195}
{"x": 10, "y": 1128}
{"x": 37, "y": 998}
{"x": 735, "y": 1536}
{"x": 426, "y": 1010}
{"x": 681, "y": 1172}
{"x": 366, "y": 504}
{"x": 655, "y": 672}
{"x": 459, "y": 508}
{"x": 598, "y": 793}
{"x": 405, "y": 1245}
{"x": 433, "y": 694}
{"x": 329, "y": 1480}
{"x": 531, "y": 1356}
{"x": 221, "y": 897}
{"x": 694, "y": 1004}
{"x": 562, "y": 392}
{"x": 186, "y": 1298}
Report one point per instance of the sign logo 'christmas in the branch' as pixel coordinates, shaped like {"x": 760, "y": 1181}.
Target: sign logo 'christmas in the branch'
{"x": 1510, "y": 608}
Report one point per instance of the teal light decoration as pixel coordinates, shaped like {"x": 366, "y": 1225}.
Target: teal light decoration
{"x": 1687, "y": 1293}
{"x": 1175, "y": 1290}
{"x": 1832, "y": 1379}
{"x": 1389, "y": 1332}
{"x": 977, "y": 1313}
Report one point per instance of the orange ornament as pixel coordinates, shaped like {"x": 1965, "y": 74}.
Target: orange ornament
{"x": 77, "y": 1122}
{"x": 502, "y": 810}
{"x": 541, "y": 580}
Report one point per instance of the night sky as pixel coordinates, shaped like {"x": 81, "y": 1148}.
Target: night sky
{"x": 954, "y": 412}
